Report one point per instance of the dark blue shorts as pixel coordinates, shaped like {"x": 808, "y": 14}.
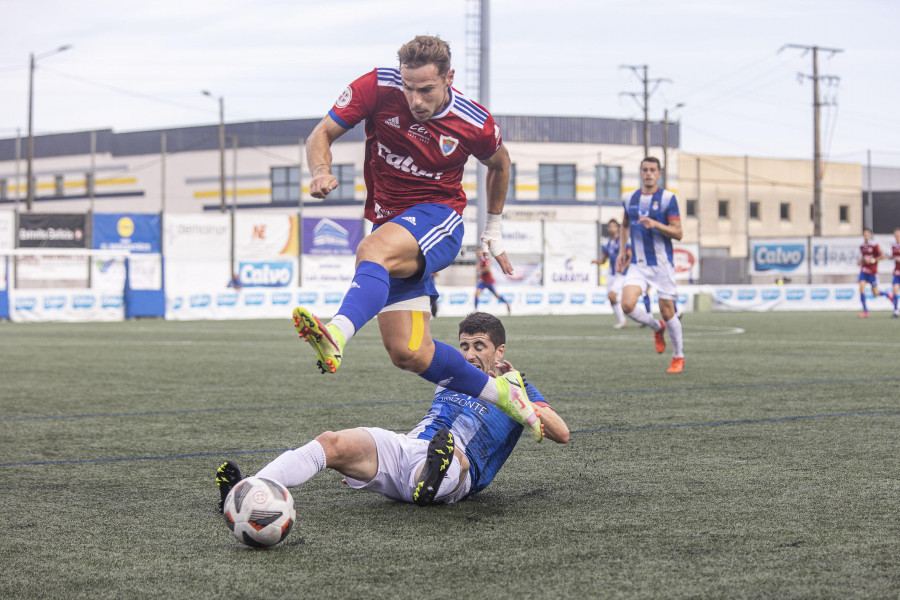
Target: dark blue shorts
{"x": 870, "y": 279}
{"x": 486, "y": 286}
{"x": 438, "y": 229}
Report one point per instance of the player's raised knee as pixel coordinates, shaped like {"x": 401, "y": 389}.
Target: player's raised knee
{"x": 409, "y": 360}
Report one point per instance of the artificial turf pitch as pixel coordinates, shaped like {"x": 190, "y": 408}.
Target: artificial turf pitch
{"x": 768, "y": 469}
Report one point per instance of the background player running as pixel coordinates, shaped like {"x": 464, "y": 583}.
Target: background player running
{"x": 454, "y": 452}
{"x": 486, "y": 282}
{"x": 650, "y": 223}
{"x": 868, "y": 273}
{"x": 895, "y": 282}
{"x": 420, "y": 133}
{"x": 615, "y": 279}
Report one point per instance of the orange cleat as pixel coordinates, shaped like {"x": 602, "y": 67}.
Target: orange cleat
{"x": 660, "y": 338}
{"x": 677, "y": 366}
{"x": 864, "y": 315}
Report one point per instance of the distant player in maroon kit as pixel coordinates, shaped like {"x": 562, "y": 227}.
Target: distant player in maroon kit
{"x": 868, "y": 274}
{"x": 420, "y": 132}
{"x": 486, "y": 282}
{"x": 895, "y": 254}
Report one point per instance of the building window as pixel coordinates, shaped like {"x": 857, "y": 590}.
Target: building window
{"x": 723, "y": 209}
{"x": 785, "y": 209}
{"x": 690, "y": 208}
{"x": 4, "y": 190}
{"x": 511, "y": 190}
{"x": 844, "y": 213}
{"x": 556, "y": 182}
{"x": 346, "y": 176}
{"x": 58, "y": 186}
{"x": 285, "y": 183}
{"x": 609, "y": 182}
{"x": 754, "y": 211}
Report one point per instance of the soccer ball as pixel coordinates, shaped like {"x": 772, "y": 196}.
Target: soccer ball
{"x": 259, "y": 512}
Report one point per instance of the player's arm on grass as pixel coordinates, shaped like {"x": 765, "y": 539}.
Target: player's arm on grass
{"x": 318, "y": 156}
{"x": 497, "y": 183}
{"x": 553, "y": 426}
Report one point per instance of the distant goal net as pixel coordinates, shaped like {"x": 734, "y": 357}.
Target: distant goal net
{"x": 63, "y": 284}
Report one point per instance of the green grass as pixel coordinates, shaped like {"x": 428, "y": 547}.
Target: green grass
{"x": 768, "y": 469}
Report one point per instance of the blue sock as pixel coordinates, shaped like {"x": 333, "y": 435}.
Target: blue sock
{"x": 449, "y": 369}
{"x": 367, "y": 294}
{"x": 862, "y": 298}
{"x": 895, "y": 301}
{"x": 647, "y": 303}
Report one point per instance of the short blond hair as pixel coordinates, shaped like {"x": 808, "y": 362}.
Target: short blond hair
{"x": 425, "y": 50}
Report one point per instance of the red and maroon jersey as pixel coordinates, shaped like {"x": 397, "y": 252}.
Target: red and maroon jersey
{"x": 895, "y": 254}
{"x": 407, "y": 162}
{"x": 870, "y": 250}
{"x": 485, "y": 276}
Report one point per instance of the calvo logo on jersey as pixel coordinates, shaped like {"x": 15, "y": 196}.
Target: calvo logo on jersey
{"x": 448, "y": 145}
{"x": 778, "y": 257}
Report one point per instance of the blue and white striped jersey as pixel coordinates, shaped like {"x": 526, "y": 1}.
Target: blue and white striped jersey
{"x": 648, "y": 246}
{"x": 612, "y": 248}
{"x": 484, "y": 432}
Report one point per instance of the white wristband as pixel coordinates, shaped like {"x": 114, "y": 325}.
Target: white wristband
{"x": 491, "y": 240}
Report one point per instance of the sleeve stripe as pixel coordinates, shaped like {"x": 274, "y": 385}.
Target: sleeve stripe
{"x": 389, "y": 77}
{"x": 339, "y": 120}
{"x": 475, "y": 114}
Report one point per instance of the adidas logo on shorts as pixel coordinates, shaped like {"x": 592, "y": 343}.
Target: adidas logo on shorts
{"x": 410, "y": 219}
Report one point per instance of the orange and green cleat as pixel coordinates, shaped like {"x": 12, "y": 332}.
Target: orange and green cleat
{"x": 513, "y": 400}
{"x": 326, "y": 339}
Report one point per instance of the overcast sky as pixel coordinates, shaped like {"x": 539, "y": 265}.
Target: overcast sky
{"x": 141, "y": 65}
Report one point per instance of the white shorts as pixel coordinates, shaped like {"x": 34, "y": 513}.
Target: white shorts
{"x": 399, "y": 456}
{"x": 614, "y": 284}
{"x": 662, "y": 277}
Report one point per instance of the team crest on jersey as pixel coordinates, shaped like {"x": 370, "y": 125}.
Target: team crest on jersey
{"x": 345, "y": 97}
{"x": 654, "y": 206}
{"x": 448, "y": 145}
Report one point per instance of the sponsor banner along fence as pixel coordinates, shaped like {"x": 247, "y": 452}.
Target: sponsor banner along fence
{"x": 804, "y": 256}
{"x": 65, "y": 305}
{"x": 265, "y": 236}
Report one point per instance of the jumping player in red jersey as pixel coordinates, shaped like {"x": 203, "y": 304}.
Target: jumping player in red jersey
{"x": 486, "y": 282}
{"x": 868, "y": 274}
{"x": 895, "y": 254}
{"x": 420, "y": 132}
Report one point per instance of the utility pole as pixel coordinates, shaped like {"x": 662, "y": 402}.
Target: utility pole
{"x": 641, "y": 72}
{"x": 817, "y": 153}
{"x": 221, "y": 147}
{"x": 29, "y": 177}
{"x": 478, "y": 62}
{"x": 665, "y": 173}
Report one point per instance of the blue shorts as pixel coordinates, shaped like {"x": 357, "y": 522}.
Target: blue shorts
{"x": 438, "y": 229}
{"x": 870, "y": 279}
{"x": 895, "y": 280}
{"x": 486, "y": 286}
